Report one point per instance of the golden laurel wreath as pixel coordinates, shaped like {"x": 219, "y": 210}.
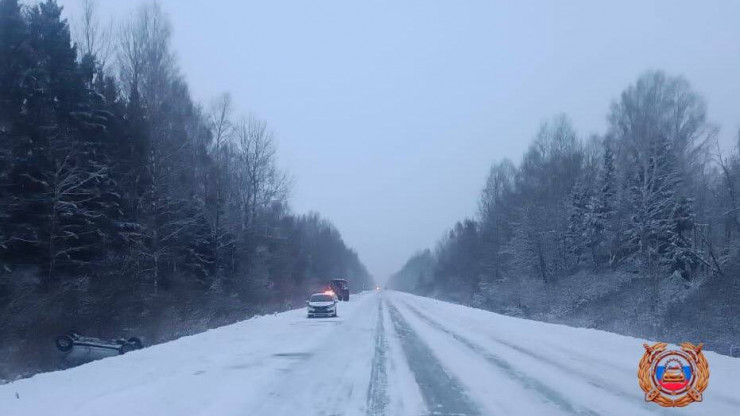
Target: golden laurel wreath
{"x": 695, "y": 389}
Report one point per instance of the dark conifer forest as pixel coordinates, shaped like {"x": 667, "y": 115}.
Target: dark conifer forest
{"x": 127, "y": 208}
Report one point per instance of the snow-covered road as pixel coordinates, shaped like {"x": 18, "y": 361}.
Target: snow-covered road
{"x": 388, "y": 353}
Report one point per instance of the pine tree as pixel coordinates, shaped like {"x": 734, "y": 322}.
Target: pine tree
{"x": 59, "y": 190}
{"x": 653, "y": 196}
{"x": 600, "y": 212}
{"x": 679, "y": 255}
{"x": 579, "y": 237}
{"x": 15, "y": 59}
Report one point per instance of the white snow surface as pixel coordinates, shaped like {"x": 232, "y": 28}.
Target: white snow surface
{"x": 388, "y": 353}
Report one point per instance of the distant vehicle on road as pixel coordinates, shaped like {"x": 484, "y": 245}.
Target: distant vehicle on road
{"x": 322, "y": 304}
{"x": 341, "y": 288}
{"x": 73, "y": 342}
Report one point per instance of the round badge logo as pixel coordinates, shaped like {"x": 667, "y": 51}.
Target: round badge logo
{"x": 673, "y": 377}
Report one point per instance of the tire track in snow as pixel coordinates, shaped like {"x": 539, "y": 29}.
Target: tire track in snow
{"x": 377, "y": 393}
{"x": 616, "y": 390}
{"x": 535, "y": 385}
{"x": 587, "y": 378}
{"x": 442, "y": 393}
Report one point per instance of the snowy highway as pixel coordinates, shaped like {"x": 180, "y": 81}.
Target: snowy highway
{"x": 388, "y": 353}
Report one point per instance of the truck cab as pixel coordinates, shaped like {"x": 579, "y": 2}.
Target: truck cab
{"x": 341, "y": 288}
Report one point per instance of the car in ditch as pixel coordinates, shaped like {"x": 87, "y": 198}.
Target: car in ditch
{"x": 83, "y": 348}
{"x": 322, "y": 305}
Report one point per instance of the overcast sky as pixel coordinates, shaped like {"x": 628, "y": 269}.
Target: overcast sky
{"x": 389, "y": 113}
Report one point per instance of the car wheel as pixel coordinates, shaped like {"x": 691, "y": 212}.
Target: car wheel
{"x": 126, "y": 348}
{"x": 136, "y": 342}
{"x": 64, "y": 343}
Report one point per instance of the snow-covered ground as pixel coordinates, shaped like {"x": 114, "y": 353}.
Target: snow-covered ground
{"x": 387, "y": 353}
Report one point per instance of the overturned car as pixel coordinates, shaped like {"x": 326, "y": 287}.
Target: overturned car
{"x": 82, "y": 348}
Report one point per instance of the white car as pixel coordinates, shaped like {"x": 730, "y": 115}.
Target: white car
{"x": 322, "y": 304}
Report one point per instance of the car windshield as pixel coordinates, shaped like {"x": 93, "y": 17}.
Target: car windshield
{"x": 321, "y": 298}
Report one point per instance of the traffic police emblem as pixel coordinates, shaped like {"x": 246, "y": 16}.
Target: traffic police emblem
{"x": 673, "y": 377}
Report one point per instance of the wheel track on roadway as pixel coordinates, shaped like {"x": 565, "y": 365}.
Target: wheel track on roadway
{"x": 530, "y": 383}
{"x": 442, "y": 393}
{"x": 588, "y": 378}
{"x": 377, "y": 391}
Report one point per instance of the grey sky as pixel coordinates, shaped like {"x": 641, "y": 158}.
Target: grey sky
{"x": 389, "y": 113}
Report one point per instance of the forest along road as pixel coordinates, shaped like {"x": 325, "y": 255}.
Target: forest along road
{"x": 388, "y": 353}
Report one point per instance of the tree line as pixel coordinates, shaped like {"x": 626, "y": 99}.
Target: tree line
{"x": 643, "y": 217}
{"x": 127, "y": 206}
